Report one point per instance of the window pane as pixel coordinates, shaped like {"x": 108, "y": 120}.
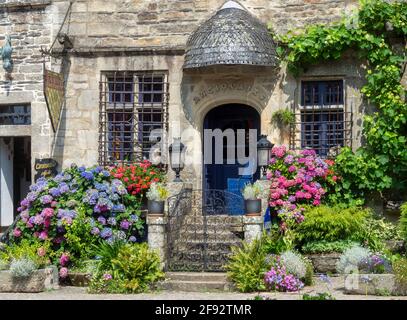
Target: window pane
{"x": 322, "y": 130}
{"x": 15, "y": 115}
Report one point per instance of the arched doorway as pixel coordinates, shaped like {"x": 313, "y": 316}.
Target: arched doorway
{"x": 226, "y": 175}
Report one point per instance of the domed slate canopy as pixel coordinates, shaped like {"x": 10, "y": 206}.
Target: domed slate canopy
{"x": 231, "y": 37}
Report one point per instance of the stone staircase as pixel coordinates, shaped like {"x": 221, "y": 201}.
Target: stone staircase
{"x": 196, "y": 282}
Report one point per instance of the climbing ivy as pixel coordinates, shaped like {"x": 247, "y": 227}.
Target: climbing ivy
{"x": 381, "y": 163}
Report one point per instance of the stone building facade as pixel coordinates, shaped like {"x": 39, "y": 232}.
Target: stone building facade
{"x": 124, "y": 68}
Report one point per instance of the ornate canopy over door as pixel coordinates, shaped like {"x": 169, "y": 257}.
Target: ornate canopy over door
{"x": 231, "y": 37}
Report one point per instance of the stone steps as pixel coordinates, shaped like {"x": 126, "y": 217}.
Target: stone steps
{"x": 196, "y": 282}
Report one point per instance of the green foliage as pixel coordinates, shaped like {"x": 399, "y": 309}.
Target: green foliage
{"x": 324, "y": 246}
{"x": 403, "y": 221}
{"x": 283, "y": 117}
{"x": 400, "y": 271}
{"x": 79, "y": 237}
{"x": 318, "y": 296}
{"x": 309, "y": 272}
{"x": 331, "y": 224}
{"x": 274, "y": 242}
{"x": 381, "y": 163}
{"x": 126, "y": 268}
{"x": 247, "y": 266}
{"x": 34, "y": 250}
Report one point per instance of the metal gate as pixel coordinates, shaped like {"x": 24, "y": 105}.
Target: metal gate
{"x": 200, "y": 230}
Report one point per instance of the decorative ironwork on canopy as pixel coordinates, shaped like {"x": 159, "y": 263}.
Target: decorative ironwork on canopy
{"x": 232, "y": 36}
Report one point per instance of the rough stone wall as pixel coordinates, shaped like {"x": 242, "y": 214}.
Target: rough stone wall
{"x": 146, "y": 23}
{"x": 30, "y": 24}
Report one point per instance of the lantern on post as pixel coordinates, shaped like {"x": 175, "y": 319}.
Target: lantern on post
{"x": 263, "y": 154}
{"x": 177, "y": 157}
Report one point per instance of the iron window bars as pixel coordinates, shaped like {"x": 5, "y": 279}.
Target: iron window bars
{"x": 133, "y": 114}
{"x": 15, "y": 115}
{"x": 322, "y": 121}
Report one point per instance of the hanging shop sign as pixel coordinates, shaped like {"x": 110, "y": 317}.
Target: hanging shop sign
{"x": 54, "y": 95}
{"x": 45, "y": 168}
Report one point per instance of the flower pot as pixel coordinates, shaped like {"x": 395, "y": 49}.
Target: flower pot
{"x": 155, "y": 207}
{"x": 252, "y": 207}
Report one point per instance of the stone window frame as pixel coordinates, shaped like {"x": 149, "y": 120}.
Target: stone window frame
{"x": 321, "y": 125}
{"x": 124, "y": 113}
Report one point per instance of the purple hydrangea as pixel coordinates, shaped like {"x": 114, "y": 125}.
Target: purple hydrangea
{"x": 102, "y": 220}
{"x": 46, "y": 199}
{"x": 95, "y": 231}
{"x": 125, "y": 225}
{"x": 133, "y": 239}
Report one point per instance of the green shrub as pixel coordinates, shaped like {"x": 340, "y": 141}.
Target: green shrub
{"x": 126, "y": 268}
{"x": 283, "y": 117}
{"x": 273, "y": 242}
{"x": 4, "y": 265}
{"x": 38, "y": 252}
{"x": 247, "y": 266}
{"x": 400, "y": 271}
{"x": 309, "y": 272}
{"x": 331, "y": 224}
{"x": 324, "y": 246}
{"x": 403, "y": 221}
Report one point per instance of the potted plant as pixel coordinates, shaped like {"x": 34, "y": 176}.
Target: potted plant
{"x": 252, "y": 202}
{"x": 156, "y": 197}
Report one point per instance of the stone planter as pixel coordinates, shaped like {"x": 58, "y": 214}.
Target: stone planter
{"x": 373, "y": 284}
{"x": 324, "y": 262}
{"x": 252, "y": 207}
{"x": 40, "y": 280}
{"x": 155, "y": 207}
{"x": 79, "y": 279}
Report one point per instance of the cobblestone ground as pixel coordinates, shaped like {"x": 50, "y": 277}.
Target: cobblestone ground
{"x": 76, "y": 293}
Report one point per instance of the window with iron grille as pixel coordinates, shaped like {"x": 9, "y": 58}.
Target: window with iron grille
{"x": 323, "y": 121}
{"x": 15, "y": 114}
{"x": 133, "y": 115}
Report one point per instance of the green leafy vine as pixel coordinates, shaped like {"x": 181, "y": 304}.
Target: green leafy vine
{"x": 381, "y": 163}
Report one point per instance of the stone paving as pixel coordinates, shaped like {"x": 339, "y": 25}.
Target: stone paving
{"x": 77, "y": 293}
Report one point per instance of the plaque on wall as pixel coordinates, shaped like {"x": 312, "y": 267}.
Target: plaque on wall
{"x": 46, "y": 168}
{"x": 54, "y": 95}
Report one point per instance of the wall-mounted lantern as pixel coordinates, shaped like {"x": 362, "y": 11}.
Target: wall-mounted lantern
{"x": 5, "y": 53}
{"x": 177, "y": 157}
{"x": 263, "y": 154}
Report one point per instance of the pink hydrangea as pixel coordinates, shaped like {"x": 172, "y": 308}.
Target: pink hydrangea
{"x": 43, "y": 235}
{"x": 64, "y": 259}
{"x": 41, "y": 252}
{"x": 47, "y": 212}
{"x": 63, "y": 272}
{"x": 17, "y": 232}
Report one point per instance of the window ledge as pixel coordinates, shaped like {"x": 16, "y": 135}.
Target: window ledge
{"x": 24, "y": 4}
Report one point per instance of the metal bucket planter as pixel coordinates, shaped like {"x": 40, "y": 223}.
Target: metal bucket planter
{"x": 155, "y": 207}
{"x": 252, "y": 207}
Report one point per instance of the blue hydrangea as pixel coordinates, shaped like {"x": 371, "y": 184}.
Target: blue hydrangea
{"x": 112, "y": 221}
{"x": 106, "y": 233}
{"x": 118, "y": 207}
{"x": 133, "y": 218}
{"x": 55, "y": 192}
{"x": 133, "y": 239}
{"x": 87, "y": 175}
